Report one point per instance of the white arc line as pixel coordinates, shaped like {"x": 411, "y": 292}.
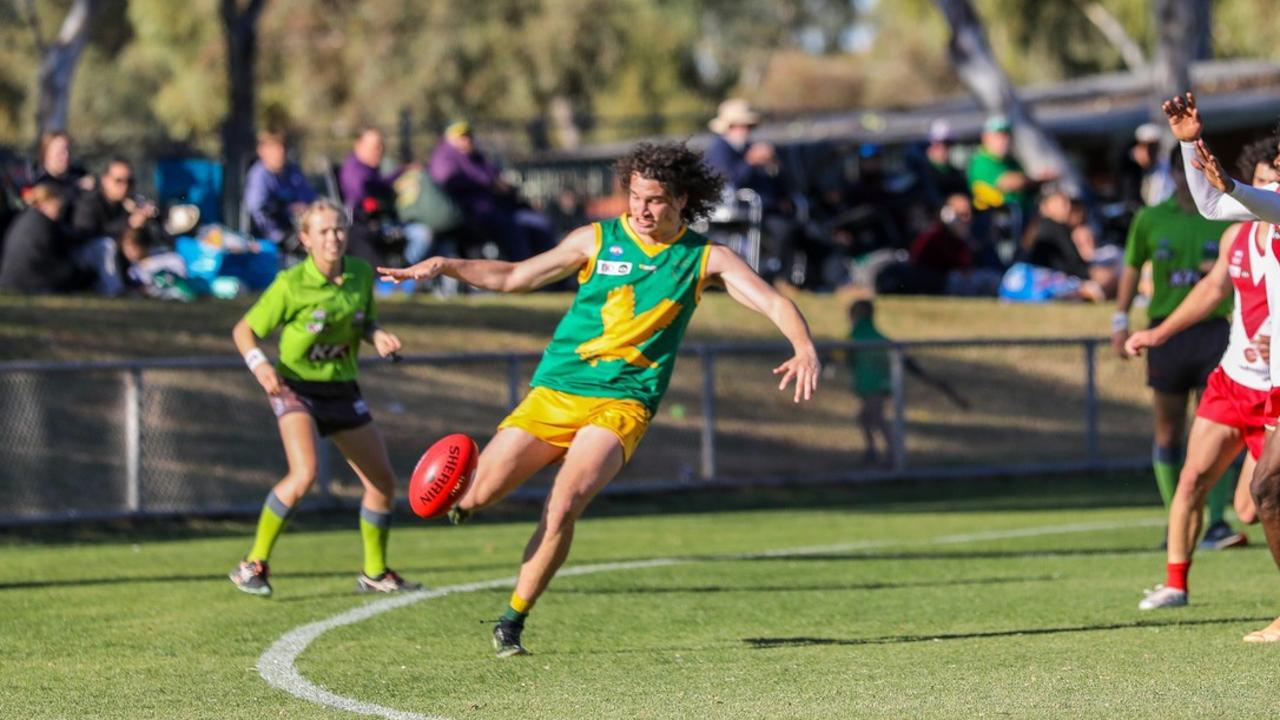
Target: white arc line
{"x": 277, "y": 664}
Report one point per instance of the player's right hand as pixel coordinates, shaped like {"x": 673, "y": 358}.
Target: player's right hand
{"x": 1139, "y": 340}
{"x": 269, "y": 379}
{"x": 425, "y": 270}
{"x": 1184, "y": 117}
{"x": 1118, "y": 339}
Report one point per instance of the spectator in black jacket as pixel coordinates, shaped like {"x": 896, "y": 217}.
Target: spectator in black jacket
{"x": 1052, "y": 245}
{"x": 100, "y": 219}
{"x": 38, "y": 251}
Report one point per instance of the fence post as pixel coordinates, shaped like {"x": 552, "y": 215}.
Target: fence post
{"x": 897, "y": 385}
{"x": 1091, "y": 402}
{"x": 513, "y": 381}
{"x": 133, "y": 440}
{"x": 708, "y": 413}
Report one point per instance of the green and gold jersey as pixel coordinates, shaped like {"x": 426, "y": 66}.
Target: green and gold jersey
{"x": 984, "y": 173}
{"x": 620, "y": 336}
{"x": 323, "y": 321}
{"x": 1182, "y": 247}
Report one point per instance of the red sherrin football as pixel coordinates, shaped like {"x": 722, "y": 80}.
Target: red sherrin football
{"x": 442, "y": 475}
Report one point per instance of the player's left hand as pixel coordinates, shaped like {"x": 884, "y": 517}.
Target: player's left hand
{"x": 804, "y": 368}
{"x": 425, "y": 270}
{"x": 385, "y": 342}
{"x": 1262, "y": 343}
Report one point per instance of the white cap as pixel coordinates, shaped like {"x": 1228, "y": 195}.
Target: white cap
{"x": 1147, "y": 133}
{"x": 939, "y": 131}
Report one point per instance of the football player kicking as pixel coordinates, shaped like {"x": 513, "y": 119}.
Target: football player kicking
{"x": 641, "y": 276}
{"x": 1231, "y": 413}
{"x": 1220, "y": 197}
{"x": 325, "y": 305}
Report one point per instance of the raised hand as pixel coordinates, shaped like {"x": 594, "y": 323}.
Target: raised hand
{"x": 1206, "y": 162}
{"x": 1184, "y": 117}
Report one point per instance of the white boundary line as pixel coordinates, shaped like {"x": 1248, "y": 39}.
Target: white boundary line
{"x": 277, "y": 665}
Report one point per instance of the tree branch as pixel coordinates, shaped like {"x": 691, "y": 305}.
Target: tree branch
{"x": 1115, "y": 33}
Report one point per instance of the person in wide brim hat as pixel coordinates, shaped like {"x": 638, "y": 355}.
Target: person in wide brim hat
{"x": 734, "y": 111}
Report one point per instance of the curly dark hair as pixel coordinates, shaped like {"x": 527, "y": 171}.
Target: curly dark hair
{"x": 682, "y": 172}
{"x": 1259, "y": 152}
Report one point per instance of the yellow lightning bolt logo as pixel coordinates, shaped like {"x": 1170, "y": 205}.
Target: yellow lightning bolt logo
{"x": 624, "y": 331}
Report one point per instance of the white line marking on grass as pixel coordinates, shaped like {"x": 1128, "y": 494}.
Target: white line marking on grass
{"x": 277, "y": 665}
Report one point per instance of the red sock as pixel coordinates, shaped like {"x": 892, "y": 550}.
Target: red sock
{"x": 1177, "y": 575}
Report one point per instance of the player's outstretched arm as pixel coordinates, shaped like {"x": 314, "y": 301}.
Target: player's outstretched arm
{"x": 1207, "y": 294}
{"x": 749, "y": 289}
{"x": 501, "y": 276}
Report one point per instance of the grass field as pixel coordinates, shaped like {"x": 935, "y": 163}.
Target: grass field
{"x": 984, "y": 599}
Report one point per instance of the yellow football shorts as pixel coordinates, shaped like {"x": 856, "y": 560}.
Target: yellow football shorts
{"x": 555, "y": 417}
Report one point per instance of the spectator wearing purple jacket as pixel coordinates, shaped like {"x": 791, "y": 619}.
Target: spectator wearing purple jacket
{"x": 477, "y": 186}
{"x": 361, "y": 180}
{"x": 275, "y": 190}
{"x": 370, "y": 196}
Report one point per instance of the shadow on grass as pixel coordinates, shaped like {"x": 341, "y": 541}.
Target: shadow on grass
{"x": 962, "y": 554}
{"x": 782, "y": 642}
{"x": 804, "y": 588}
{"x": 315, "y": 575}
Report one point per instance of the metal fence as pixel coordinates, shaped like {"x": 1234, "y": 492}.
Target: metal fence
{"x": 97, "y": 440}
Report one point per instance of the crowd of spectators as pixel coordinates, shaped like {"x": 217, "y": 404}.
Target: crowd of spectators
{"x": 932, "y": 218}
{"x": 938, "y": 217}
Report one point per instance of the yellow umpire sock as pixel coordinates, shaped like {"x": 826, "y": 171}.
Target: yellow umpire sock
{"x": 270, "y": 524}
{"x": 375, "y": 528}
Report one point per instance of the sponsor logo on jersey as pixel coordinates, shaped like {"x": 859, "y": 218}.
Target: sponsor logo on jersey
{"x": 610, "y": 267}
{"x": 615, "y": 249}
{"x": 318, "y": 315}
{"x": 1184, "y": 278}
{"x": 321, "y": 352}
{"x": 648, "y": 268}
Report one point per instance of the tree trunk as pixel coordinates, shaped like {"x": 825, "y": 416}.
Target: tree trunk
{"x": 241, "y": 29}
{"x": 1182, "y": 36}
{"x": 974, "y": 62}
{"x": 58, "y": 66}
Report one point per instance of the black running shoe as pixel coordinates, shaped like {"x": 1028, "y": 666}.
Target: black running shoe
{"x": 388, "y": 582}
{"x": 458, "y": 516}
{"x": 251, "y": 576}
{"x": 506, "y": 638}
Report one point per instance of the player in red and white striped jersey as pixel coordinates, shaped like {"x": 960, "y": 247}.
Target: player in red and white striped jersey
{"x": 1231, "y": 414}
{"x": 1220, "y": 197}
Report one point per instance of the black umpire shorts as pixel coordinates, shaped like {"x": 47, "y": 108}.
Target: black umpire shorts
{"x": 1184, "y": 362}
{"x": 335, "y": 406}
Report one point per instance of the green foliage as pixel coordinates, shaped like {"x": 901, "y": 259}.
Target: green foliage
{"x": 156, "y": 69}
